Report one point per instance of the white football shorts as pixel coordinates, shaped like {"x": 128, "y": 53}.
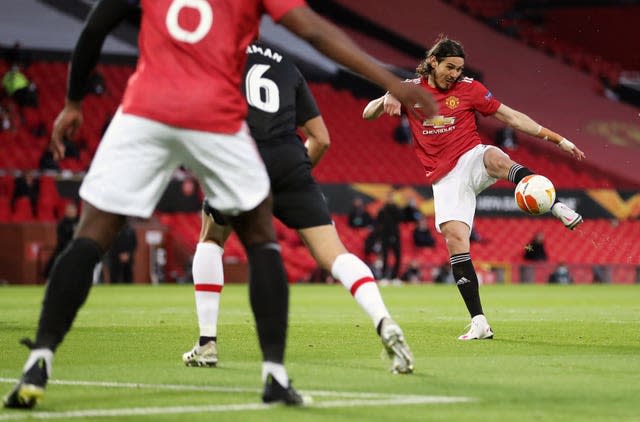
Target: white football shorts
{"x": 454, "y": 195}
{"x": 137, "y": 156}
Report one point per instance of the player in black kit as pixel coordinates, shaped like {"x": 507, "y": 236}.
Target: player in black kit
{"x": 280, "y": 102}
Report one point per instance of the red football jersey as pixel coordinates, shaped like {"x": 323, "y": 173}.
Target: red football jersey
{"x": 192, "y": 57}
{"x": 442, "y": 139}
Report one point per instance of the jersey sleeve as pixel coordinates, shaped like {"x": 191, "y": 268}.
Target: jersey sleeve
{"x": 306, "y": 107}
{"x": 104, "y": 16}
{"x": 482, "y": 99}
{"x": 278, "y": 8}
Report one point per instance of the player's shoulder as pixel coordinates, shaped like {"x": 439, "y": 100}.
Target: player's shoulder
{"x": 470, "y": 85}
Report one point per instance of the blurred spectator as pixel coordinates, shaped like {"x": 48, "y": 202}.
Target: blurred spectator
{"x": 561, "y": 275}
{"x": 372, "y": 244}
{"x": 121, "y": 255}
{"x": 16, "y": 55}
{"x": 71, "y": 149}
{"x": 410, "y": 212}
{"x": 6, "y": 122}
{"x": 506, "y": 138}
{"x": 388, "y": 228}
{"x": 422, "y": 236}
{"x": 413, "y": 273}
{"x": 47, "y": 163}
{"x": 64, "y": 231}
{"x": 443, "y": 274}
{"x": 358, "y": 215}
{"x": 402, "y": 132}
{"x": 535, "y": 251}
{"x": 27, "y": 185}
{"x": 17, "y": 86}
{"x": 600, "y": 274}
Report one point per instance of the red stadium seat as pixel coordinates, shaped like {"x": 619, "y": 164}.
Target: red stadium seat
{"x": 22, "y": 211}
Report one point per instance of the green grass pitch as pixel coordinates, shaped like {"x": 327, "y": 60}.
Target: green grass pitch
{"x": 561, "y": 353}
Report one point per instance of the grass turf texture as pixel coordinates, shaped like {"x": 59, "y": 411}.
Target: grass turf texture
{"x": 560, "y": 353}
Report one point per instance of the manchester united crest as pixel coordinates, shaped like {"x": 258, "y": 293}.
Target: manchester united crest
{"x": 452, "y": 102}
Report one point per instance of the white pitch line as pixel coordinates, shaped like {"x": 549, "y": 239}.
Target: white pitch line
{"x": 240, "y": 407}
{"x": 208, "y": 388}
{"x": 358, "y": 399}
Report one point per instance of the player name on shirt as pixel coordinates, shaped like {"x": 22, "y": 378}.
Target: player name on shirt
{"x": 266, "y": 52}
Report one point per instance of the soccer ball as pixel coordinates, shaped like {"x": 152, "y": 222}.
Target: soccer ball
{"x": 535, "y": 194}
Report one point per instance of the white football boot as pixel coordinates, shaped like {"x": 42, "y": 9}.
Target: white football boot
{"x": 569, "y": 217}
{"x": 206, "y": 355}
{"x": 397, "y": 349}
{"x": 479, "y": 329}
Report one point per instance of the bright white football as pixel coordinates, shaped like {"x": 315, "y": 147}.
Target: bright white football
{"x": 535, "y": 194}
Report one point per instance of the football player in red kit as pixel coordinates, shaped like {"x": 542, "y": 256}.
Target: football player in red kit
{"x": 458, "y": 165}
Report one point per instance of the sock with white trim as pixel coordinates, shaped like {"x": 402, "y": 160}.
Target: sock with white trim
{"x": 357, "y": 277}
{"x": 517, "y": 173}
{"x": 208, "y": 280}
{"x": 467, "y": 282}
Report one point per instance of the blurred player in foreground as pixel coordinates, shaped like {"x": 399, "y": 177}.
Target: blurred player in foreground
{"x": 183, "y": 106}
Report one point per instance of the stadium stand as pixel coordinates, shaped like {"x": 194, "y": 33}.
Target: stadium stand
{"x": 364, "y": 152}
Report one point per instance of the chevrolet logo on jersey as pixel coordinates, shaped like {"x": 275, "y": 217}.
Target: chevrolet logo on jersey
{"x": 439, "y": 122}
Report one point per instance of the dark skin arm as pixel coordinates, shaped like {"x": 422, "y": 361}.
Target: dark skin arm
{"x": 333, "y": 42}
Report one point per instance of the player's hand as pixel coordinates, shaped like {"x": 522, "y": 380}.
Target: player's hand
{"x": 568, "y": 146}
{"x": 65, "y": 125}
{"x": 391, "y": 105}
{"x": 415, "y": 98}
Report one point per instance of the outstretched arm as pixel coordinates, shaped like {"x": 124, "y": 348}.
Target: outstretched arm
{"x": 318, "y": 140}
{"x": 330, "y": 40}
{"x": 526, "y": 124}
{"x": 374, "y": 109}
{"x": 385, "y": 104}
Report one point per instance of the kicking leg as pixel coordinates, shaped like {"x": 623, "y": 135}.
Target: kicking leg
{"x": 500, "y": 166}
{"x": 325, "y": 246}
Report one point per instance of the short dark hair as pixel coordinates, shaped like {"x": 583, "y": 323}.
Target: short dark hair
{"x": 443, "y": 48}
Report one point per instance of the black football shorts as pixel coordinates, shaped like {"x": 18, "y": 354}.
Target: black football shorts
{"x": 297, "y": 199}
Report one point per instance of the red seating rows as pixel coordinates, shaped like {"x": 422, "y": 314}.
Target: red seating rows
{"x": 22, "y": 150}
{"x": 361, "y": 151}
{"x": 49, "y": 207}
{"x": 504, "y": 240}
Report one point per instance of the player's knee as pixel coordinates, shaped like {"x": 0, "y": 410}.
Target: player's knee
{"x": 497, "y": 163}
